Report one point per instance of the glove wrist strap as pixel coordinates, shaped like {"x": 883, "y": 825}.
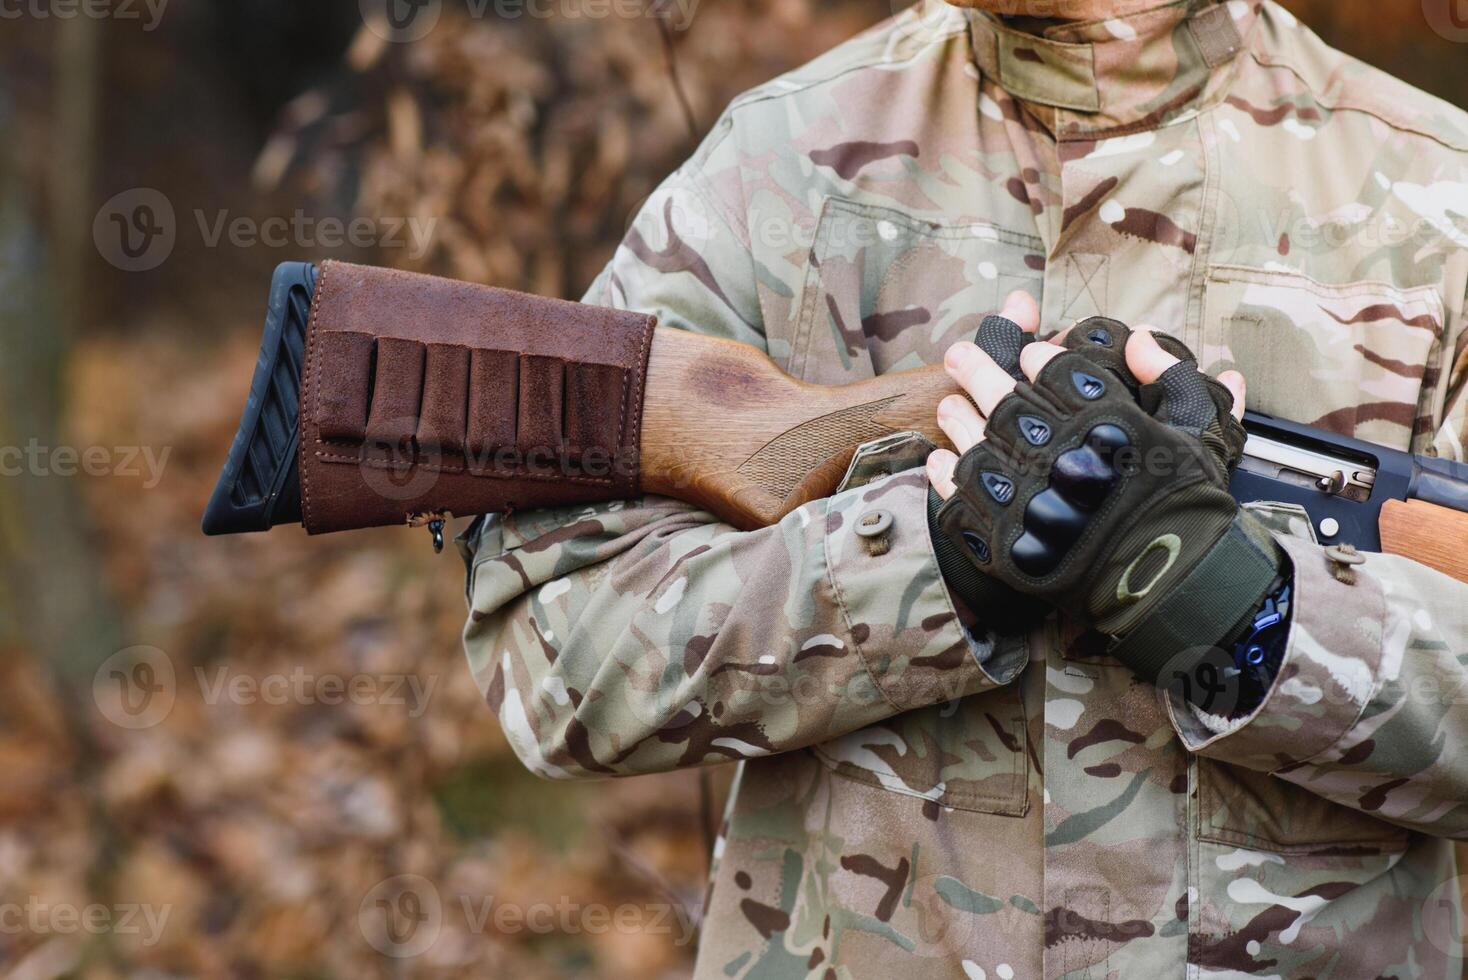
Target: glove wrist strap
{"x": 1210, "y": 605}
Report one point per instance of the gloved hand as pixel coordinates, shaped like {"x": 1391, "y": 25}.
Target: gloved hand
{"x": 998, "y": 607}
{"x": 1110, "y": 504}
{"x": 1104, "y": 342}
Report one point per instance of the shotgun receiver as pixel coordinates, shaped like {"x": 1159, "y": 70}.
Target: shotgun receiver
{"x": 396, "y": 397}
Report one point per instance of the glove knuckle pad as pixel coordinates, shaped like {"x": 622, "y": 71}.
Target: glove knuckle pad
{"x": 1056, "y": 517}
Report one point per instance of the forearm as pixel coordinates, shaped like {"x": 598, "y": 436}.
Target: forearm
{"x": 644, "y": 638}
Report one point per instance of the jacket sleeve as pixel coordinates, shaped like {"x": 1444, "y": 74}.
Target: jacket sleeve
{"x": 643, "y": 636}
{"x": 1370, "y": 705}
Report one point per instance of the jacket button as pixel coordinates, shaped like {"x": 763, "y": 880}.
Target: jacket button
{"x": 872, "y": 528}
{"x": 1343, "y": 561}
{"x": 873, "y": 524}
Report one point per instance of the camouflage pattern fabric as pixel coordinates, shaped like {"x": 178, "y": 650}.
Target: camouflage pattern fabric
{"x": 920, "y": 802}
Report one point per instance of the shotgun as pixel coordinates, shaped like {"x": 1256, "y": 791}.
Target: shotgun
{"x": 351, "y": 376}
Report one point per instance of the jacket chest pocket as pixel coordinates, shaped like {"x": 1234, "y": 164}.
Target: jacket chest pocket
{"x": 968, "y": 754}
{"x": 1257, "y": 811}
{"x": 886, "y": 291}
{"x": 1354, "y": 359}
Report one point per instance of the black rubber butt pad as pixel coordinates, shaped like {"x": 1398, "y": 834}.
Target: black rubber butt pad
{"x": 260, "y": 485}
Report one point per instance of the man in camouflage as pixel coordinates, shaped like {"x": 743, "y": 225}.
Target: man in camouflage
{"x": 918, "y": 797}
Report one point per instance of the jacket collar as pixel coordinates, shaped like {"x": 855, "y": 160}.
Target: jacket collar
{"x": 1127, "y": 74}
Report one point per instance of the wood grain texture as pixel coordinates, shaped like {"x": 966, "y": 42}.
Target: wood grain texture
{"x": 723, "y": 427}
{"x": 1434, "y": 536}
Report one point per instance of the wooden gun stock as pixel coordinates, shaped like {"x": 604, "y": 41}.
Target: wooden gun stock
{"x": 1428, "y": 534}
{"x": 726, "y": 429}
{"x": 514, "y": 406}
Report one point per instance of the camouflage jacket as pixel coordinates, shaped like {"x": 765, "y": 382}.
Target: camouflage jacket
{"x": 918, "y": 801}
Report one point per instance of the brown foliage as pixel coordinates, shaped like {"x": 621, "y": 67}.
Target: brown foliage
{"x": 533, "y": 144}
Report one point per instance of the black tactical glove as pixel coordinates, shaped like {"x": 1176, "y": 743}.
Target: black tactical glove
{"x": 1104, "y": 341}
{"x": 1109, "y": 499}
{"x": 998, "y": 606}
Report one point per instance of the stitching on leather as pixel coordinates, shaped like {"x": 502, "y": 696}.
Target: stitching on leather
{"x": 633, "y": 420}
{"x": 309, "y": 395}
{"x": 328, "y": 457}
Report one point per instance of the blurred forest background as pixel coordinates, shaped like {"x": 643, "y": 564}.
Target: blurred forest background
{"x": 523, "y": 146}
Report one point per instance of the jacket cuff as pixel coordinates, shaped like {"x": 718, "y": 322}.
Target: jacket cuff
{"x": 1330, "y": 670}
{"x": 899, "y": 613}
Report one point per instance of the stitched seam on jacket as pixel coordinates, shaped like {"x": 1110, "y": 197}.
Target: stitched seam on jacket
{"x": 1265, "y": 60}
{"x": 845, "y": 614}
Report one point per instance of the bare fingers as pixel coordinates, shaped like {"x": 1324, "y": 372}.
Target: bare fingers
{"x": 1021, "y": 307}
{"x": 941, "y": 464}
{"x": 976, "y": 373}
{"x": 1145, "y": 356}
{"x": 960, "y": 422}
{"x": 1234, "y": 382}
{"x": 1148, "y": 361}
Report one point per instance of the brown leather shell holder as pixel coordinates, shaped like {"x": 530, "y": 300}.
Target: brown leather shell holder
{"x": 425, "y": 396}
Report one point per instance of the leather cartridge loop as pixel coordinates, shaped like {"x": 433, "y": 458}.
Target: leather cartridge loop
{"x": 423, "y": 395}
